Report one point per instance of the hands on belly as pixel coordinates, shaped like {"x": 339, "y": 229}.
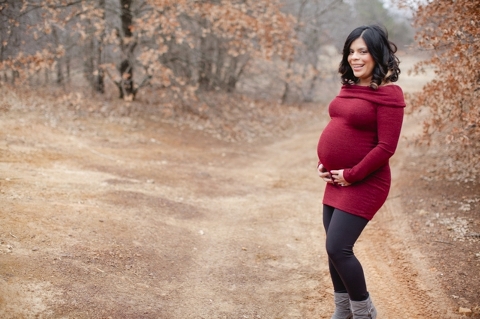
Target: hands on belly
{"x": 333, "y": 177}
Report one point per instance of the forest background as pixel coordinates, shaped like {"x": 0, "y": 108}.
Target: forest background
{"x": 194, "y": 58}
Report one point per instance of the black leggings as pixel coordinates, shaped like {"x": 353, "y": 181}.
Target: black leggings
{"x": 343, "y": 230}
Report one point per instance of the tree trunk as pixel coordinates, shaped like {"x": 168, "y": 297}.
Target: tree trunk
{"x": 99, "y": 84}
{"x": 205, "y": 64}
{"x": 15, "y": 75}
{"x": 219, "y": 67}
{"x": 286, "y": 88}
{"x": 60, "y": 77}
{"x": 126, "y": 85}
{"x": 47, "y": 76}
{"x": 232, "y": 75}
{"x": 89, "y": 63}
{"x": 67, "y": 65}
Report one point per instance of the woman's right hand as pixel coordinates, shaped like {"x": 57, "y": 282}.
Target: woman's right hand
{"x": 324, "y": 174}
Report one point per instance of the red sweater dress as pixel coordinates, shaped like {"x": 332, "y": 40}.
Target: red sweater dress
{"x": 360, "y": 138}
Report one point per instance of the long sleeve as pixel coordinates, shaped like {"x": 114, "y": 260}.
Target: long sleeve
{"x": 389, "y": 124}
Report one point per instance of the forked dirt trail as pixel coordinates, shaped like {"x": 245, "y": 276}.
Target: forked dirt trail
{"x": 136, "y": 219}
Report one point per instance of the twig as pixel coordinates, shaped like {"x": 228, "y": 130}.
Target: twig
{"x": 443, "y": 242}
{"x": 396, "y": 196}
{"x": 475, "y": 235}
{"x": 12, "y": 235}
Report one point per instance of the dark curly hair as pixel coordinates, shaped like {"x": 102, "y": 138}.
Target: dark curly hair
{"x": 383, "y": 53}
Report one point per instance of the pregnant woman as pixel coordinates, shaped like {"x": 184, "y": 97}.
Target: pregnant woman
{"x": 353, "y": 152}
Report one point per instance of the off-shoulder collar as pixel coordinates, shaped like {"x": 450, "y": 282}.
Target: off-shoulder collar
{"x": 386, "y": 95}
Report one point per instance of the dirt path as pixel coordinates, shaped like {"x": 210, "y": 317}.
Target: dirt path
{"x": 102, "y": 219}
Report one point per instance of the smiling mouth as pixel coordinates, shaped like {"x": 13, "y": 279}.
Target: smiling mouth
{"x": 357, "y": 67}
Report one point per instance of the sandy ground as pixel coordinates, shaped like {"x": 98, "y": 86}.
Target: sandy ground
{"x": 128, "y": 217}
{"x": 138, "y": 219}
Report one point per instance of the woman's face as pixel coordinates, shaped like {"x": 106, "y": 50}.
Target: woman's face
{"x": 361, "y": 61}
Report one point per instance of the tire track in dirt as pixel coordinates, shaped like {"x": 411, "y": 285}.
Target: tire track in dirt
{"x": 399, "y": 278}
{"x": 260, "y": 263}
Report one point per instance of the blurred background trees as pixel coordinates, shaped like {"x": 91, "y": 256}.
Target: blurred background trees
{"x": 182, "y": 53}
{"x": 321, "y": 28}
{"x": 276, "y": 51}
{"x": 449, "y": 31}
{"x": 133, "y": 43}
{"x": 199, "y": 46}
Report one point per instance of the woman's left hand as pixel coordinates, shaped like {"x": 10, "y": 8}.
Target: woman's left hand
{"x": 337, "y": 176}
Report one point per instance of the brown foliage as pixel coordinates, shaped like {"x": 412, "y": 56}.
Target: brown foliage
{"x": 163, "y": 43}
{"x": 451, "y": 31}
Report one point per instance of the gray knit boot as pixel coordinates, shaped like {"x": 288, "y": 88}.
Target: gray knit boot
{"x": 363, "y": 309}
{"x": 342, "y": 306}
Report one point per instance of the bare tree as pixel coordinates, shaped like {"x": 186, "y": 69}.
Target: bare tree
{"x": 316, "y": 24}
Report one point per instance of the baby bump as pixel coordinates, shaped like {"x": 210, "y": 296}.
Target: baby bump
{"x": 339, "y": 148}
